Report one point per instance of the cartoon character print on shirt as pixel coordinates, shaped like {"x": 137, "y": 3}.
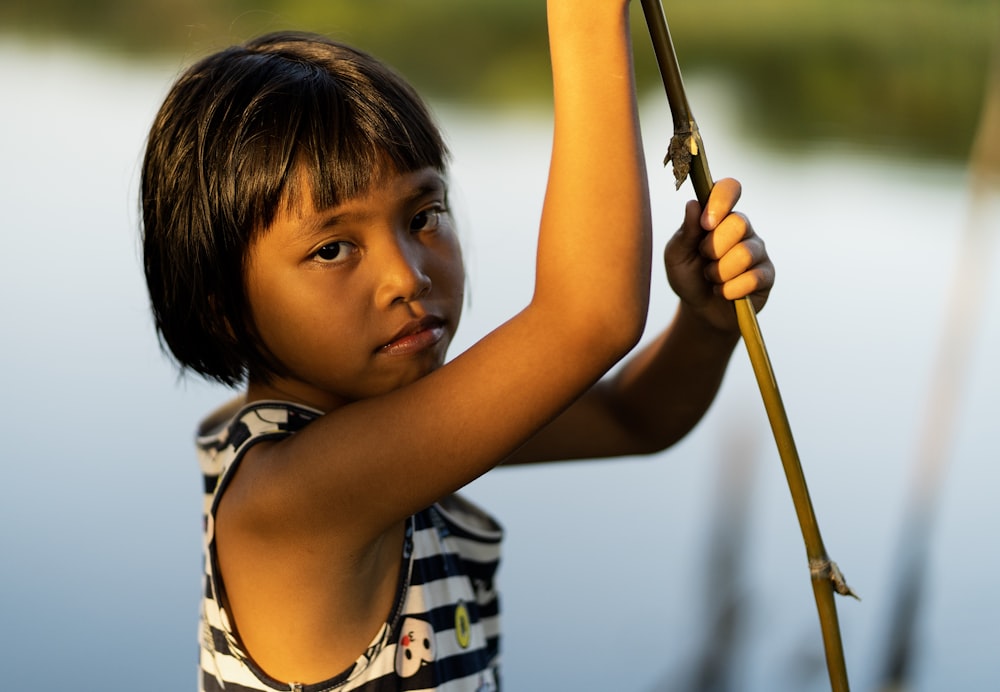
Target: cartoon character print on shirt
{"x": 415, "y": 647}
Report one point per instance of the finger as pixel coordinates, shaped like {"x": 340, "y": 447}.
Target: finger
{"x": 723, "y": 198}
{"x": 740, "y": 258}
{"x": 756, "y": 282}
{"x": 734, "y": 229}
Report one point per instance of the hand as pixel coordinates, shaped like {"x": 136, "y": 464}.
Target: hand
{"x": 715, "y": 257}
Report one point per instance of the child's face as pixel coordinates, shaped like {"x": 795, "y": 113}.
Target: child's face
{"x": 361, "y": 298}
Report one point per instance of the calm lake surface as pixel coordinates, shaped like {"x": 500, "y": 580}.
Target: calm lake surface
{"x": 606, "y": 567}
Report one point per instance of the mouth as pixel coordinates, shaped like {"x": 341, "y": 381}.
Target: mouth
{"x": 414, "y": 337}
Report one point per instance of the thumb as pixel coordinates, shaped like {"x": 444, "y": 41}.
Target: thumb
{"x": 682, "y": 248}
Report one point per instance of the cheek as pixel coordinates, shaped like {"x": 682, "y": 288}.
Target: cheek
{"x": 451, "y": 271}
{"x": 293, "y": 313}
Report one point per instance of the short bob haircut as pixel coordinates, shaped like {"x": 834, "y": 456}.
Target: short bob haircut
{"x": 224, "y": 152}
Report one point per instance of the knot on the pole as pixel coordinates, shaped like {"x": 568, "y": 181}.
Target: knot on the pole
{"x": 683, "y": 145}
{"x": 827, "y": 569}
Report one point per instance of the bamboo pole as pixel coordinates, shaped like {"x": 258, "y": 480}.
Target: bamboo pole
{"x": 687, "y": 153}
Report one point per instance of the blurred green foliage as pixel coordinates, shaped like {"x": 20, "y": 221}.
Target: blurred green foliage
{"x": 900, "y": 76}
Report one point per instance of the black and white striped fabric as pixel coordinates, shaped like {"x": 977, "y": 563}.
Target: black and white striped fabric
{"x": 444, "y": 631}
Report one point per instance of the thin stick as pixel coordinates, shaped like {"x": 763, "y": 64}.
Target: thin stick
{"x": 687, "y": 152}
{"x": 963, "y": 316}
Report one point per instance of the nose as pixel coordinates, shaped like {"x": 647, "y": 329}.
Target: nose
{"x": 402, "y": 268}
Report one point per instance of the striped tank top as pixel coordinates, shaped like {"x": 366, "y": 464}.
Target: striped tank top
{"x": 443, "y": 632}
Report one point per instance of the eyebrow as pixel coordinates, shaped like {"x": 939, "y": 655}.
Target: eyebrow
{"x": 426, "y": 184}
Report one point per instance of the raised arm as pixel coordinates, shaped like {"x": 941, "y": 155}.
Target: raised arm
{"x": 597, "y": 195}
{"x": 388, "y": 455}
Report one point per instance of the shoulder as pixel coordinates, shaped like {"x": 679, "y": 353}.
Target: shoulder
{"x": 226, "y": 434}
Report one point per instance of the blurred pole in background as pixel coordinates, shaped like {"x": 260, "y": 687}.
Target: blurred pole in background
{"x": 725, "y": 574}
{"x": 712, "y": 666}
{"x": 963, "y": 315}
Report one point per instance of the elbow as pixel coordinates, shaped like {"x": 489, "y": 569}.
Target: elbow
{"x": 643, "y": 426}
{"x": 654, "y": 436}
{"x": 604, "y": 318}
{"x": 610, "y": 332}
{"x": 620, "y": 313}
{"x": 621, "y": 328}
{"x": 644, "y": 442}
{"x": 650, "y": 445}
{"x": 616, "y": 316}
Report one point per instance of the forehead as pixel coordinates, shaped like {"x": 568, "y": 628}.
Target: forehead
{"x": 386, "y": 190}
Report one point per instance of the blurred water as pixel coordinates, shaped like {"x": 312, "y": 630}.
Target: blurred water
{"x": 605, "y": 562}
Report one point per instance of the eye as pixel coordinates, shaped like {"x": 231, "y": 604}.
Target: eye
{"x": 427, "y": 219}
{"x": 334, "y": 252}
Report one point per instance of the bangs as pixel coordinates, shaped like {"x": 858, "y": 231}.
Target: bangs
{"x": 342, "y": 132}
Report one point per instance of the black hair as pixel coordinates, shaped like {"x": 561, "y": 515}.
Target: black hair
{"x": 226, "y": 150}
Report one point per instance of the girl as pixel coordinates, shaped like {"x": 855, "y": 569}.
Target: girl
{"x": 297, "y": 244}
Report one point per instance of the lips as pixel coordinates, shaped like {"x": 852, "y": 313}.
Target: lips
{"x": 415, "y": 336}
